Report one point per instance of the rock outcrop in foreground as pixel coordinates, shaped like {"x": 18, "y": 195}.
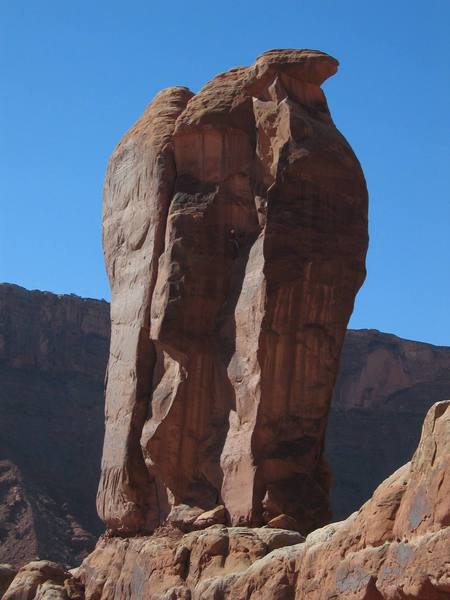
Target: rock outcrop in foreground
{"x": 396, "y": 547}
{"x": 235, "y": 234}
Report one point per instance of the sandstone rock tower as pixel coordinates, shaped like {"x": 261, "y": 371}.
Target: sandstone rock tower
{"x": 235, "y": 234}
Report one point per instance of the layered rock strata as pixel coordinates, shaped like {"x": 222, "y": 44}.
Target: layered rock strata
{"x": 235, "y": 233}
{"x": 53, "y": 354}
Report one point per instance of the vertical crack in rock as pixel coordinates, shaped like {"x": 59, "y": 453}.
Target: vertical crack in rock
{"x": 314, "y": 250}
{"x": 226, "y": 335}
{"x": 138, "y": 189}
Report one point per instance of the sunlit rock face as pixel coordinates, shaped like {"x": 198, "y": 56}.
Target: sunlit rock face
{"x": 235, "y": 233}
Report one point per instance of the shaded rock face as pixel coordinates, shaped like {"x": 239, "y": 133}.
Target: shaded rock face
{"x": 235, "y": 233}
{"x": 54, "y": 334}
{"x": 18, "y": 535}
{"x": 53, "y": 352}
{"x": 384, "y": 389}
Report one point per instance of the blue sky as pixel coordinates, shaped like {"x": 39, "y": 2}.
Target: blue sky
{"x": 76, "y": 75}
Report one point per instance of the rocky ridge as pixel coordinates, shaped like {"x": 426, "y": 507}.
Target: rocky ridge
{"x": 396, "y": 547}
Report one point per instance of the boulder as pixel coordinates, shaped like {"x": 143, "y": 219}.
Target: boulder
{"x": 184, "y": 516}
{"x": 38, "y": 580}
{"x": 283, "y": 522}
{"x": 216, "y": 516}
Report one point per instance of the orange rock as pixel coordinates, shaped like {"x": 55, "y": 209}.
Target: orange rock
{"x": 396, "y": 547}
{"x": 216, "y": 516}
{"x": 283, "y": 522}
{"x": 235, "y": 233}
{"x": 36, "y": 578}
{"x": 169, "y": 564}
{"x": 184, "y": 516}
{"x": 138, "y": 190}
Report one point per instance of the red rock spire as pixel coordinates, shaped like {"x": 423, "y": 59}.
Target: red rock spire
{"x": 235, "y": 233}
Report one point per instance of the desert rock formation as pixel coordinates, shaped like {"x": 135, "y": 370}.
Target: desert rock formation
{"x": 235, "y": 233}
{"x": 396, "y": 547}
{"x": 384, "y": 389}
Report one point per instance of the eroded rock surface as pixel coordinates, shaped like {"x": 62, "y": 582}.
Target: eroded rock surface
{"x": 171, "y": 564}
{"x": 43, "y": 580}
{"x": 201, "y": 444}
{"x": 396, "y": 547}
{"x": 235, "y": 233}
